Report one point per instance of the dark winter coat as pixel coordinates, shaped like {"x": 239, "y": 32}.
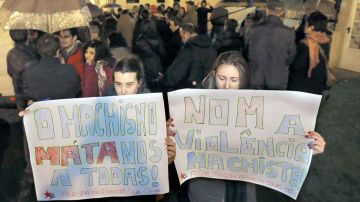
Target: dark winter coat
{"x": 227, "y": 41}
{"x": 203, "y": 19}
{"x": 49, "y": 79}
{"x": 298, "y": 77}
{"x": 203, "y": 15}
{"x": 151, "y": 51}
{"x": 196, "y": 57}
{"x": 18, "y": 56}
{"x": 17, "y": 61}
{"x": 173, "y": 47}
{"x": 270, "y": 50}
{"x": 218, "y": 18}
{"x": 163, "y": 29}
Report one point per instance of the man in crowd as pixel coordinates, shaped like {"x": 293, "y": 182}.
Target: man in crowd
{"x": 48, "y": 79}
{"x": 270, "y": 48}
{"x": 193, "y": 61}
{"x": 202, "y": 13}
{"x": 41, "y": 80}
{"x": 191, "y": 15}
{"x": 16, "y": 59}
{"x": 71, "y": 49}
{"x": 174, "y": 44}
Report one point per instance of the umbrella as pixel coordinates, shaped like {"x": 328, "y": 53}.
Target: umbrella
{"x": 45, "y": 15}
{"x": 94, "y": 10}
{"x": 111, "y": 5}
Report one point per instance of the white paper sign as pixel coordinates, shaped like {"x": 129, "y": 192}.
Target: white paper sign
{"x": 98, "y": 147}
{"x": 246, "y": 135}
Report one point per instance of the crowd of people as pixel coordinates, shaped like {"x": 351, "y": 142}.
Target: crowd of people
{"x": 157, "y": 49}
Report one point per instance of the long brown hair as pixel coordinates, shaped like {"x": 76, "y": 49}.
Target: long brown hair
{"x": 230, "y": 58}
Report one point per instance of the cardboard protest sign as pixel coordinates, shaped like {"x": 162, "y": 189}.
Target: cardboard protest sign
{"x": 246, "y": 135}
{"x": 98, "y": 147}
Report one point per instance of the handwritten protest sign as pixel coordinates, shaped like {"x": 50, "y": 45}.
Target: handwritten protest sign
{"x": 246, "y": 135}
{"x": 98, "y": 147}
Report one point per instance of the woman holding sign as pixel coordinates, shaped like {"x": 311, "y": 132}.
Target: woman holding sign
{"x": 230, "y": 72}
{"x": 129, "y": 79}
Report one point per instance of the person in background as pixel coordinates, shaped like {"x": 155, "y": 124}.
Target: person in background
{"x": 191, "y": 15}
{"x": 230, "y": 72}
{"x": 118, "y": 47}
{"x": 176, "y": 7}
{"x": 228, "y": 39}
{"x": 181, "y": 12}
{"x": 202, "y": 13}
{"x": 71, "y": 49}
{"x": 94, "y": 32}
{"x": 48, "y": 79}
{"x": 270, "y": 49}
{"x": 17, "y": 59}
{"x": 308, "y": 72}
{"x": 193, "y": 62}
{"x": 97, "y": 76}
{"x": 218, "y": 18}
{"x": 41, "y": 79}
{"x": 144, "y": 15}
{"x": 33, "y": 36}
{"x": 125, "y": 26}
{"x": 174, "y": 44}
{"x": 150, "y": 48}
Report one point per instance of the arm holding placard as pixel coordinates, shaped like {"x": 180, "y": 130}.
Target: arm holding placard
{"x": 318, "y": 145}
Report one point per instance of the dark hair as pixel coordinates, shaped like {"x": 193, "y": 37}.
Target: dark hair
{"x": 231, "y": 25}
{"x": 144, "y": 14}
{"x": 73, "y": 31}
{"x": 131, "y": 63}
{"x": 19, "y": 35}
{"x": 47, "y": 46}
{"x": 181, "y": 8}
{"x": 318, "y": 20}
{"x": 170, "y": 12}
{"x": 125, "y": 11}
{"x": 178, "y": 21}
{"x": 102, "y": 52}
{"x": 189, "y": 27}
{"x": 117, "y": 40}
{"x": 230, "y": 58}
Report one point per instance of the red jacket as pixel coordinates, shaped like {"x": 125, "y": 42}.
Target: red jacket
{"x": 89, "y": 83}
{"x": 76, "y": 59}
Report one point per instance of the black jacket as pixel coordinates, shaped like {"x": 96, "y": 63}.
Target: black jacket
{"x": 151, "y": 51}
{"x": 49, "y": 79}
{"x": 18, "y": 56}
{"x": 270, "y": 50}
{"x": 195, "y": 59}
{"x": 203, "y": 15}
{"x": 228, "y": 41}
{"x": 298, "y": 77}
{"x": 173, "y": 47}
{"x": 17, "y": 61}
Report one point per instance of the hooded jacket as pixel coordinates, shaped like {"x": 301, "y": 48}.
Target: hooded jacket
{"x": 197, "y": 50}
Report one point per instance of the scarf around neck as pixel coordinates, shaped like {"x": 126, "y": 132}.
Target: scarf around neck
{"x": 313, "y": 41}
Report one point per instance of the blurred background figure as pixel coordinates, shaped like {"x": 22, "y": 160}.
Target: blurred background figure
{"x": 97, "y": 76}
